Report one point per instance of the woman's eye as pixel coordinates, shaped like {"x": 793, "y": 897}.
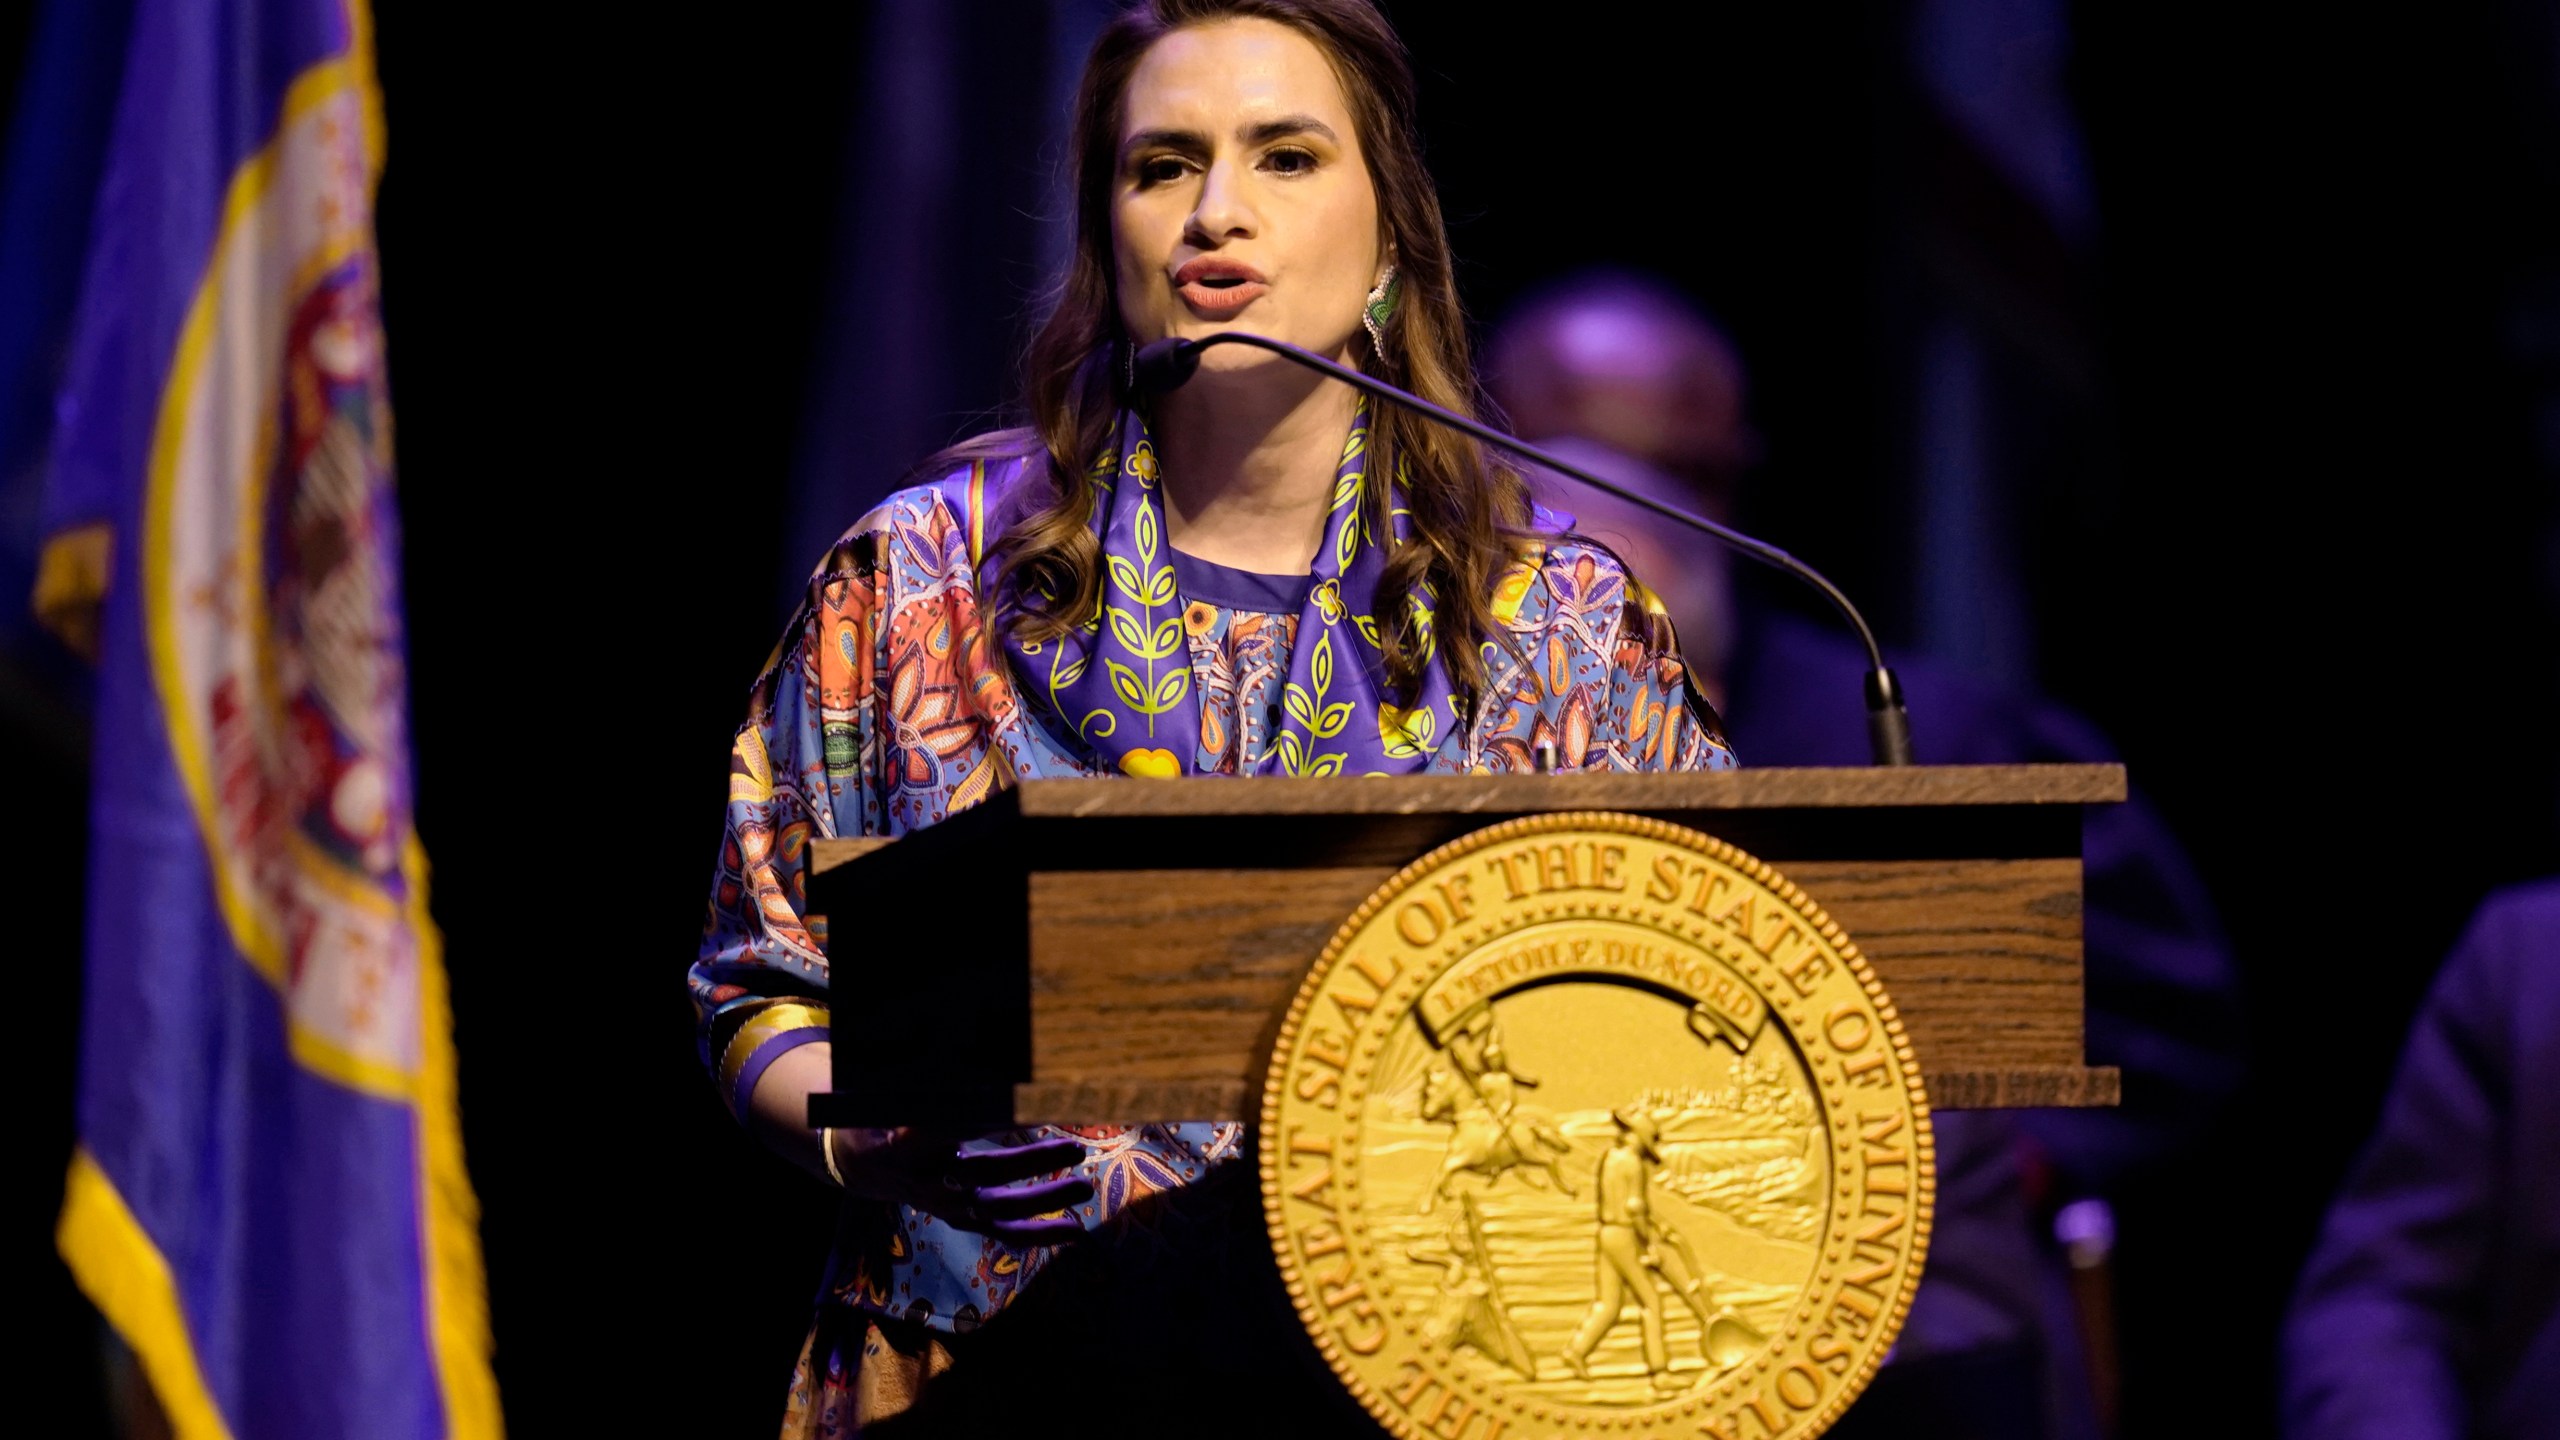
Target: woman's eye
{"x": 1160, "y": 170}
{"x": 1290, "y": 162}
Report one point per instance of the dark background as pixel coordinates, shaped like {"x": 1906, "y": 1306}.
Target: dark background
{"x": 2270, "y": 477}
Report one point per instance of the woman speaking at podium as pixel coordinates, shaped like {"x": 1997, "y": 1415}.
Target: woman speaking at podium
{"x": 1258, "y": 573}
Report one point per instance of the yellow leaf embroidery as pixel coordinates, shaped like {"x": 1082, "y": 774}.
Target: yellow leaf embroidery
{"x": 1405, "y": 733}
{"x": 1134, "y": 636}
{"x": 1294, "y": 700}
{"x": 1124, "y": 578}
{"x": 1126, "y": 684}
{"x": 1146, "y": 533}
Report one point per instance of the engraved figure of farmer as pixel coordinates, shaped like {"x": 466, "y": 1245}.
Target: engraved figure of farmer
{"x": 1626, "y": 1231}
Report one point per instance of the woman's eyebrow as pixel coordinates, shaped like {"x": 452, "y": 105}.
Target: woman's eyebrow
{"x": 1193, "y": 142}
{"x": 1286, "y": 126}
{"x": 1183, "y": 142}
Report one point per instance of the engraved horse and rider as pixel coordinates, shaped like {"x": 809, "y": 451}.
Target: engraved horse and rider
{"x": 1496, "y": 1133}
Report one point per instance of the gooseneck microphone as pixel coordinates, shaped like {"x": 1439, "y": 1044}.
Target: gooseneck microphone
{"x": 1166, "y": 364}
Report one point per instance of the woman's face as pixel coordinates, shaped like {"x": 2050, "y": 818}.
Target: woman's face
{"x": 1242, "y": 200}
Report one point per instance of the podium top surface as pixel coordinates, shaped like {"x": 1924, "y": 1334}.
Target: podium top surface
{"x": 1862, "y": 787}
{"x": 1799, "y": 813}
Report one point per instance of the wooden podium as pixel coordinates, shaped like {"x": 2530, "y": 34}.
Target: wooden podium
{"x": 1114, "y": 951}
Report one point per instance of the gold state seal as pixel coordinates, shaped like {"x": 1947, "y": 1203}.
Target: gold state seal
{"x": 1592, "y": 1122}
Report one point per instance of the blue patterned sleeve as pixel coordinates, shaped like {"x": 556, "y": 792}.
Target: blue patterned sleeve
{"x": 1588, "y": 669}
{"x": 796, "y": 774}
{"x": 1665, "y": 724}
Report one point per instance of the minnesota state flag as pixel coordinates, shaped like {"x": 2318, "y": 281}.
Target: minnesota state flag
{"x": 269, "y": 1201}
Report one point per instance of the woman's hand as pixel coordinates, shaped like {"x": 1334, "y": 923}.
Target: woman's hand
{"x": 994, "y": 1192}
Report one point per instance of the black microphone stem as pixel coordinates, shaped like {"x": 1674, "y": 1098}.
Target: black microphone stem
{"x": 1168, "y": 363}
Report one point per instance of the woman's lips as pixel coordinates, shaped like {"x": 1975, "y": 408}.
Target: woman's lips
{"x": 1217, "y": 286}
{"x": 1220, "y": 301}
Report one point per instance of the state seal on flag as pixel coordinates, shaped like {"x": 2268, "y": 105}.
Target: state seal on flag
{"x": 272, "y": 587}
{"x": 1589, "y": 1120}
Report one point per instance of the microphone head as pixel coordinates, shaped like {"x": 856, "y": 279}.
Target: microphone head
{"x": 1164, "y": 365}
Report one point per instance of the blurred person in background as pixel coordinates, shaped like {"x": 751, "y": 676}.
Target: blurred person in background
{"x": 1625, "y": 376}
{"x": 2430, "y": 1309}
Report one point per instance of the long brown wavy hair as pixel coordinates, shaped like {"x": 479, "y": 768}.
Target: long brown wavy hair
{"x": 1468, "y": 515}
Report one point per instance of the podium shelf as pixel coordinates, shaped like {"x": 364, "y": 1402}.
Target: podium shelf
{"x": 1135, "y": 941}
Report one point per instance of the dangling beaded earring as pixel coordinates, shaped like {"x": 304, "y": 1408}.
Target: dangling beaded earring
{"x": 1380, "y": 309}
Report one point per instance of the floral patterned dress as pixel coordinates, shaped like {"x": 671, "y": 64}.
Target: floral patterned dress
{"x": 890, "y": 704}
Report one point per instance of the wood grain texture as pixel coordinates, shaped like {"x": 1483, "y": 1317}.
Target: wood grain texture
{"x": 1166, "y": 974}
{"x": 2046, "y": 1087}
{"x": 1980, "y": 957}
{"x": 1462, "y": 802}
{"x": 1140, "y": 1102}
{"x": 1134, "y": 1102}
{"x": 1865, "y": 787}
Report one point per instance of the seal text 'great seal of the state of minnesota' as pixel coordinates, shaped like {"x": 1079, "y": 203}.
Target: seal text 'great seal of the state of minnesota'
{"x": 1593, "y": 1123}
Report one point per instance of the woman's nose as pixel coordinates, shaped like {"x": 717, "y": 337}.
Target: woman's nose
{"x": 1224, "y": 211}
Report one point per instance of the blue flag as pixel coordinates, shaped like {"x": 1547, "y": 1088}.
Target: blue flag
{"x": 269, "y": 1201}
